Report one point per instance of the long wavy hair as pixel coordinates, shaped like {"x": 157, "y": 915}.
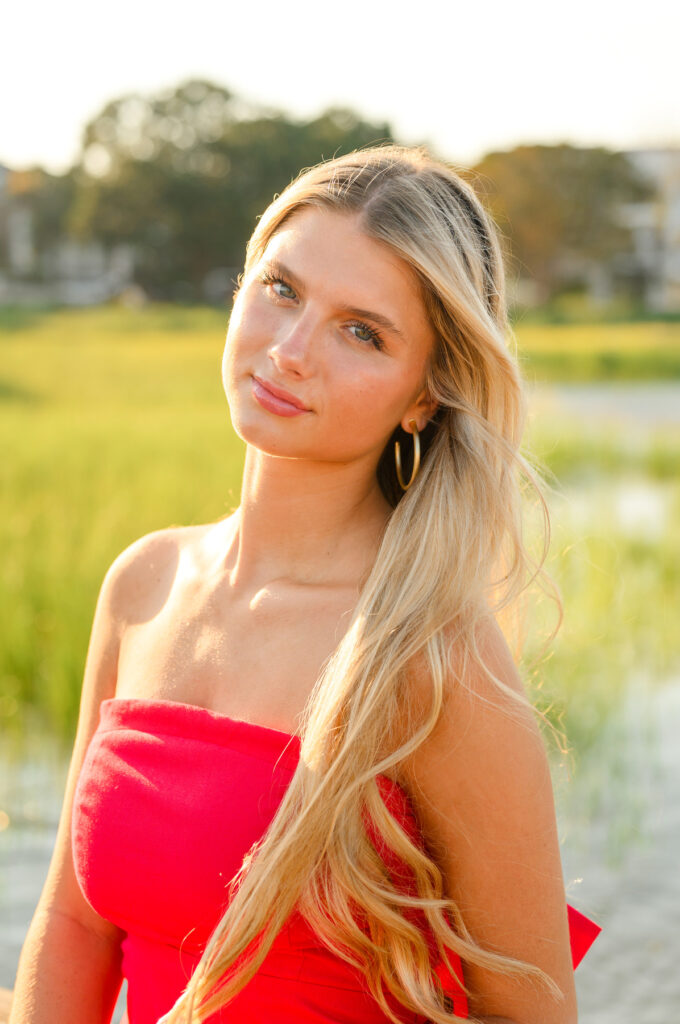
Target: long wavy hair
{"x": 452, "y": 550}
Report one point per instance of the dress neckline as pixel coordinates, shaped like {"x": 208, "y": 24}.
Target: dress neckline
{"x": 161, "y": 716}
{"x": 200, "y": 712}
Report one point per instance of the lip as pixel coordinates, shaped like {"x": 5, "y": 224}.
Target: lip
{"x": 283, "y": 396}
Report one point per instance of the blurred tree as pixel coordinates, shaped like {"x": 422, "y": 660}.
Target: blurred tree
{"x": 557, "y": 207}
{"x": 185, "y": 174}
{"x": 175, "y": 126}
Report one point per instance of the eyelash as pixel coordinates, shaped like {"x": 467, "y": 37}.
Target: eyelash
{"x": 375, "y": 337}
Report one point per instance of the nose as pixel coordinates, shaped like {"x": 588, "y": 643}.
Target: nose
{"x": 292, "y": 349}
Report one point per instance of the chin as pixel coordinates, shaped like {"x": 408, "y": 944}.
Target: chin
{"x": 260, "y": 432}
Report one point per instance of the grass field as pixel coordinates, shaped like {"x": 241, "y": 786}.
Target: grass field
{"x": 591, "y": 352}
{"x": 114, "y": 423}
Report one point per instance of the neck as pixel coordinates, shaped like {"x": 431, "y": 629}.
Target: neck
{"x": 305, "y": 522}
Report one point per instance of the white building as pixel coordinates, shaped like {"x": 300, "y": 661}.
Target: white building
{"x": 66, "y": 273}
{"x": 655, "y": 225}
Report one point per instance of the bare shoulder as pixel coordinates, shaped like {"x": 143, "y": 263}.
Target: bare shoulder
{"x": 127, "y": 583}
{"x": 479, "y": 708}
{"x": 142, "y": 566}
{"x": 481, "y": 787}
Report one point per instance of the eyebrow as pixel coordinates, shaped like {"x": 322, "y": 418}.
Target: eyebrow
{"x": 279, "y": 268}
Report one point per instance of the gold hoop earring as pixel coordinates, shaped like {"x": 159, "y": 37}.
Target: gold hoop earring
{"x": 416, "y": 457}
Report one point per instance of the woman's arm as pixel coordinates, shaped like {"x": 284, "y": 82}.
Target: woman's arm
{"x": 67, "y": 972}
{"x": 481, "y": 787}
{"x": 69, "y": 968}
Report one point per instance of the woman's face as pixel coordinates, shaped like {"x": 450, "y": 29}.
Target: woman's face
{"x": 333, "y": 318}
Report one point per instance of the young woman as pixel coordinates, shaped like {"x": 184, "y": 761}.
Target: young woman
{"x": 308, "y": 784}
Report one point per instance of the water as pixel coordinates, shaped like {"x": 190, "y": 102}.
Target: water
{"x": 649, "y": 404}
{"x": 31, "y": 795}
{"x": 632, "y": 506}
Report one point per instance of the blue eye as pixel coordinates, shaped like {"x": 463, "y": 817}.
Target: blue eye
{"x": 374, "y": 338}
{"x": 267, "y": 278}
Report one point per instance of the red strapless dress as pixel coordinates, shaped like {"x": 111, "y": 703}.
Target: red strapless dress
{"x": 170, "y": 798}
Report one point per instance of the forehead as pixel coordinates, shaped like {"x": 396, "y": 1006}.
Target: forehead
{"x": 330, "y": 254}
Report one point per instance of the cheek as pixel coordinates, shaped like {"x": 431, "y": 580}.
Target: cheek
{"x": 241, "y": 340}
{"x": 368, "y": 400}
{"x": 228, "y": 353}
{"x": 235, "y": 356}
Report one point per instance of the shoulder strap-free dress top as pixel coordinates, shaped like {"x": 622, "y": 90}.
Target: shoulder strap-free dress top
{"x": 170, "y": 798}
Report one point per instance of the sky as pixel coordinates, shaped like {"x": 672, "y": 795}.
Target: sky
{"x": 462, "y": 78}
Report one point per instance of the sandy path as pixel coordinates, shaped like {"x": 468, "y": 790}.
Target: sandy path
{"x": 630, "y": 976}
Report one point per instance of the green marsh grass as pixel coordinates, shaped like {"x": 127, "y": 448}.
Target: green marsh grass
{"x": 600, "y": 352}
{"x": 114, "y": 424}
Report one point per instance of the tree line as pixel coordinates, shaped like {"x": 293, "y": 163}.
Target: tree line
{"x": 183, "y": 174}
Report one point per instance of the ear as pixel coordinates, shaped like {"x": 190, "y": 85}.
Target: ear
{"x": 422, "y": 410}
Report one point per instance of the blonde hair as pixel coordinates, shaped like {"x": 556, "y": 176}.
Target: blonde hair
{"x": 452, "y": 550}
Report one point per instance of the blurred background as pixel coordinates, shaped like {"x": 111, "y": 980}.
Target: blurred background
{"x": 137, "y": 149}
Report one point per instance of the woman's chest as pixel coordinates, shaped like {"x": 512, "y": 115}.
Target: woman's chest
{"x": 169, "y": 801}
{"x": 254, "y": 658}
